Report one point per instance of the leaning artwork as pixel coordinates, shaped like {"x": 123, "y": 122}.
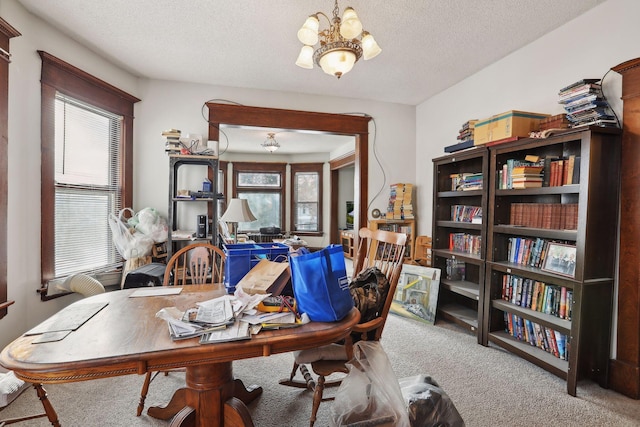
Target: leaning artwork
{"x": 417, "y": 293}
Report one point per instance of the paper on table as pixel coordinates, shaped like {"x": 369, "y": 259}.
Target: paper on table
{"x": 154, "y": 291}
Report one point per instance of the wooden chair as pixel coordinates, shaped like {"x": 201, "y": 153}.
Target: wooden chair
{"x": 196, "y": 264}
{"x": 376, "y": 248}
{"x": 423, "y": 251}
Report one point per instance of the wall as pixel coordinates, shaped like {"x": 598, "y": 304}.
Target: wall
{"x": 529, "y": 80}
{"x": 178, "y": 105}
{"x": 164, "y": 105}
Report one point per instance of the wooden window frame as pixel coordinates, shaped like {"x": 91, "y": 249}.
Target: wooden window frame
{"x": 62, "y": 77}
{"x": 306, "y": 167}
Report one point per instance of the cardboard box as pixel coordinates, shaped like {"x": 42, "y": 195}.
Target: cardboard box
{"x": 507, "y": 125}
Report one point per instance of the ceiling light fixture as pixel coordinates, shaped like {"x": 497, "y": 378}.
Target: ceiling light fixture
{"x": 270, "y": 144}
{"x": 340, "y": 45}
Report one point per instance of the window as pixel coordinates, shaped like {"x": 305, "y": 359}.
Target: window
{"x": 87, "y": 128}
{"x": 306, "y": 198}
{"x": 263, "y": 185}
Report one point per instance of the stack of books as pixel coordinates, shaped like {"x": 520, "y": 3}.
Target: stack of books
{"x": 172, "y": 144}
{"x": 585, "y": 104}
{"x": 400, "y": 202}
{"x": 559, "y": 121}
{"x": 466, "y": 181}
{"x": 465, "y": 137}
{"x": 526, "y": 176}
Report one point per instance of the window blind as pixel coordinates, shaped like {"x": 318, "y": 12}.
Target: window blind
{"x": 87, "y": 186}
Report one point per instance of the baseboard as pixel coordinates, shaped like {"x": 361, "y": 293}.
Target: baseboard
{"x": 624, "y": 378}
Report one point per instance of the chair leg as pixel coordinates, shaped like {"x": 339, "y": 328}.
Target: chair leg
{"x": 293, "y": 371}
{"x": 317, "y": 398}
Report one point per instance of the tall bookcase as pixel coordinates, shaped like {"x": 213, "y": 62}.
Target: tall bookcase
{"x": 204, "y": 205}
{"x": 576, "y": 303}
{"x": 407, "y": 226}
{"x": 460, "y": 294}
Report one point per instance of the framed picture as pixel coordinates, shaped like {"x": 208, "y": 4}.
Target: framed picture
{"x": 560, "y": 259}
{"x": 417, "y": 293}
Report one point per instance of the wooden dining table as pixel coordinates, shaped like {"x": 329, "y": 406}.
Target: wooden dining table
{"x": 125, "y": 337}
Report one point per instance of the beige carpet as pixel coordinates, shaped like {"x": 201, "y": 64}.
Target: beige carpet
{"x": 489, "y": 387}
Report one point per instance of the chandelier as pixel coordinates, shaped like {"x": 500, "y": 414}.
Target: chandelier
{"x": 270, "y": 144}
{"x": 341, "y": 45}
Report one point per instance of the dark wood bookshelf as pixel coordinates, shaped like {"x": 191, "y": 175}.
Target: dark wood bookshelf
{"x": 459, "y": 301}
{"x": 597, "y": 197}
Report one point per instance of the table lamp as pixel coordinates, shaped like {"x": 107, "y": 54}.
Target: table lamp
{"x": 238, "y": 211}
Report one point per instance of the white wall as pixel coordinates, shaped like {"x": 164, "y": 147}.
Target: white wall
{"x": 177, "y": 105}
{"x": 23, "y": 198}
{"x": 529, "y": 80}
{"x": 164, "y": 105}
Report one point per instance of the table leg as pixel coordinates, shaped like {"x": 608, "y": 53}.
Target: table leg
{"x": 208, "y": 400}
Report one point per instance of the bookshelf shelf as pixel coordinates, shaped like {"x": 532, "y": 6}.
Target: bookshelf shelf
{"x": 587, "y": 228}
{"x": 407, "y": 226}
{"x": 460, "y": 298}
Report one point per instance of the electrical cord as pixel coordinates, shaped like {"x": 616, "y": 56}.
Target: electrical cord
{"x": 605, "y": 98}
{"x": 226, "y": 147}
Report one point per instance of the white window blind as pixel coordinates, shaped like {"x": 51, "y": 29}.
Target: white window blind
{"x": 87, "y": 186}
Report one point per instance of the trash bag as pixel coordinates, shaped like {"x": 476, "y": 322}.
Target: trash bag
{"x": 370, "y": 392}
{"x": 427, "y": 404}
{"x": 129, "y": 242}
{"x": 149, "y": 222}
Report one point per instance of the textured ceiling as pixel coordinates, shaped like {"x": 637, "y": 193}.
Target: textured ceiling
{"x": 427, "y": 46}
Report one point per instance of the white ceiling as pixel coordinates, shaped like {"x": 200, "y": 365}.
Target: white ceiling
{"x": 427, "y": 46}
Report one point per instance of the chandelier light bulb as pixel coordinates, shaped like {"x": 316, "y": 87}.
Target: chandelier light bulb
{"x": 305, "y": 58}
{"x": 351, "y": 27}
{"x": 308, "y": 34}
{"x": 370, "y": 48}
{"x": 270, "y": 144}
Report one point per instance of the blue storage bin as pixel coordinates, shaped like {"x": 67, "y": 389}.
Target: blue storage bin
{"x": 242, "y": 257}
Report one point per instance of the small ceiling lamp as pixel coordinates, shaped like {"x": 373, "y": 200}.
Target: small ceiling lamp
{"x": 340, "y": 46}
{"x": 270, "y": 144}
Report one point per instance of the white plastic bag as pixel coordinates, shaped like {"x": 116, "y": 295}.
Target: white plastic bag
{"x": 370, "y": 391}
{"x": 149, "y": 222}
{"x": 127, "y": 241}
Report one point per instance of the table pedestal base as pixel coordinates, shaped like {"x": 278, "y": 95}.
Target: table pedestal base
{"x": 212, "y": 398}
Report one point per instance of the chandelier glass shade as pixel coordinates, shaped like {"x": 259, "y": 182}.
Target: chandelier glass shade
{"x": 341, "y": 45}
{"x": 270, "y": 144}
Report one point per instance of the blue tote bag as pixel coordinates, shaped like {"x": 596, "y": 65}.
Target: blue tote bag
{"x": 320, "y": 284}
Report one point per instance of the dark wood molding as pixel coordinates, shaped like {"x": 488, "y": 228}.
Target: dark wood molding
{"x": 6, "y": 33}
{"x": 339, "y": 124}
{"x": 625, "y": 368}
{"x": 342, "y": 161}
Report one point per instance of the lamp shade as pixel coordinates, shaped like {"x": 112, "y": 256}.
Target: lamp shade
{"x": 370, "y": 48}
{"x": 337, "y": 62}
{"x": 305, "y": 59}
{"x": 351, "y": 27}
{"x": 308, "y": 34}
{"x": 238, "y": 211}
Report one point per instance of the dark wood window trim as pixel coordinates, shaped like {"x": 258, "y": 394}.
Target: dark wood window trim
{"x": 59, "y": 76}
{"x": 280, "y": 168}
{"x": 306, "y": 167}
{"x": 6, "y": 33}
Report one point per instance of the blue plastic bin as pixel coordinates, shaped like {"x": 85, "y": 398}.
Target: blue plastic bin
{"x": 242, "y": 257}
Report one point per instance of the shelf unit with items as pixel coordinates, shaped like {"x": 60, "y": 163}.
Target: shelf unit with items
{"x": 550, "y": 271}
{"x": 203, "y": 202}
{"x": 458, "y": 236}
{"x": 406, "y": 226}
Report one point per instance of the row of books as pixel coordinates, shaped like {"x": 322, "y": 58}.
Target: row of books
{"x": 537, "y": 335}
{"x": 586, "y": 105}
{"x": 528, "y": 251}
{"x": 538, "y": 296}
{"x": 465, "y": 243}
{"x": 400, "y": 202}
{"x": 555, "y": 216}
{"x": 466, "y": 181}
{"x": 550, "y": 171}
{"x": 464, "y": 213}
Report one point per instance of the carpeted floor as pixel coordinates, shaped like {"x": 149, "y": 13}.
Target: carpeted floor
{"x": 490, "y": 387}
